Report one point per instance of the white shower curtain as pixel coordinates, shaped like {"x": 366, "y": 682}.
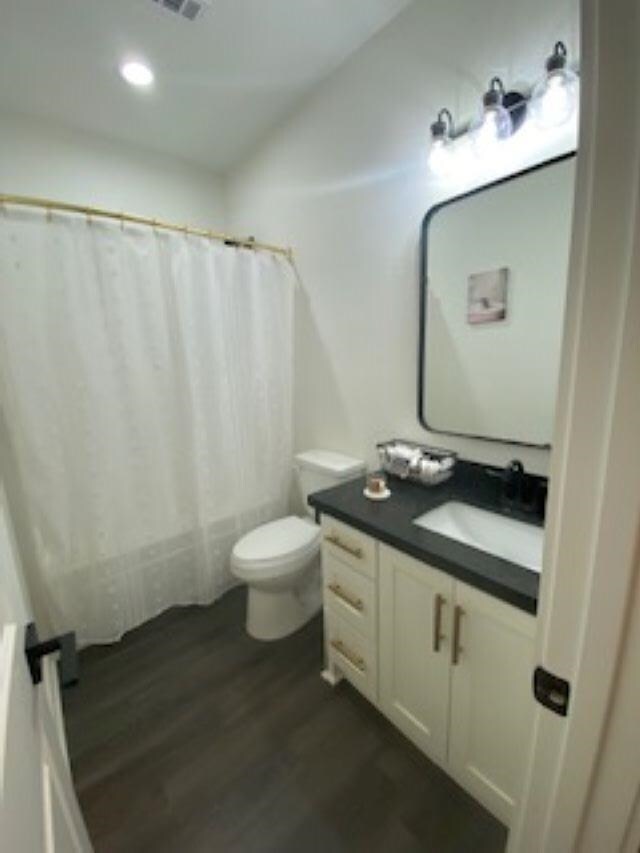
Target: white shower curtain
{"x": 146, "y": 380}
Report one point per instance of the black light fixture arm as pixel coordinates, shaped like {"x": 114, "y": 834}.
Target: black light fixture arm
{"x": 558, "y": 58}
{"x": 442, "y": 127}
{"x": 445, "y": 114}
{"x": 495, "y": 93}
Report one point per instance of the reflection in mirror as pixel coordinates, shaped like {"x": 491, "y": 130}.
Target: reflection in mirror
{"x": 495, "y": 264}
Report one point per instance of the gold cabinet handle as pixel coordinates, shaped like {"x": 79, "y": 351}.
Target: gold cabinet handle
{"x": 347, "y": 654}
{"x": 438, "y": 602}
{"x": 350, "y": 549}
{"x": 351, "y": 600}
{"x": 456, "y": 648}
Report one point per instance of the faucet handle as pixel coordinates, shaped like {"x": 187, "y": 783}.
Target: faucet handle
{"x": 513, "y": 479}
{"x": 514, "y": 468}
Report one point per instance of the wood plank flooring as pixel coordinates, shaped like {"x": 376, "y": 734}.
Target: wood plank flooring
{"x": 189, "y": 736}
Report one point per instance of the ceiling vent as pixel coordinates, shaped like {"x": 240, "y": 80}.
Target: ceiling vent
{"x": 189, "y": 9}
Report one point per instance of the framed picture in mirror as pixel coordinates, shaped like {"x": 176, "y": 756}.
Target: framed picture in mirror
{"x": 487, "y": 297}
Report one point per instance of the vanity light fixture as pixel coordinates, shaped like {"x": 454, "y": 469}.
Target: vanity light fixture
{"x": 555, "y": 97}
{"x": 137, "y": 74}
{"x": 553, "y": 102}
{"x": 440, "y": 154}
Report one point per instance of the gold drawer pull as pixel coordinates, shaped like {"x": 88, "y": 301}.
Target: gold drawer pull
{"x": 337, "y": 590}
{"x": 438, "y": 636}
{"x": 350, "y": 549}
{"x": 354, "y": 660}
{"x": 456, "y": 647}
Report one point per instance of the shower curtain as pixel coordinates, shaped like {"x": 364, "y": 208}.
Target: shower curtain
{"x": 146, "y": 384}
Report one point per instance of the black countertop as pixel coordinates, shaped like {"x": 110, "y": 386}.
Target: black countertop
{"x": 391, "y": 521}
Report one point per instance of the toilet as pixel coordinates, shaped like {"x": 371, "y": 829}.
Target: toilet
{"x": 280, "y": 560}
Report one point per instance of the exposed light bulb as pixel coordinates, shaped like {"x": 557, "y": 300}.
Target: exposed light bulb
{"x": 440, "y": 157}
{"x": 555, "y": 98}
{"x": 136, "y": 73}
{"x": 494, "y": 126}
{"x": 494, "y": 123}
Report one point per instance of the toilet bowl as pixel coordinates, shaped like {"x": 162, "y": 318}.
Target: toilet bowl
{"x": 280, "y": 560}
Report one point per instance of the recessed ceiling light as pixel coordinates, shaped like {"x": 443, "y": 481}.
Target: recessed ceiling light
{"x": 137, "y": 73}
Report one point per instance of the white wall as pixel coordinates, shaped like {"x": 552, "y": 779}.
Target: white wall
{"x": 41, "y": 158}
{"x": 345, "y": 182}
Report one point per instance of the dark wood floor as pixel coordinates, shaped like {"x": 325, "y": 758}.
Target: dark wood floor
{"x": 188, "y": 736}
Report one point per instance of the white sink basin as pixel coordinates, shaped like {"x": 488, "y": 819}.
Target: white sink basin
{"x": 508, "y": 538}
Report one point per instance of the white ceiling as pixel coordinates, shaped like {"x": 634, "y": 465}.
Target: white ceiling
{"x": 222, "y": 82}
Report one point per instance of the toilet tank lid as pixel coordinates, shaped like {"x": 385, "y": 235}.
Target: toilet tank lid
{"x": 336, "y": 464}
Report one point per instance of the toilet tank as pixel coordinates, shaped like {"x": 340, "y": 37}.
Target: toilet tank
{"x": 322, "y": 469}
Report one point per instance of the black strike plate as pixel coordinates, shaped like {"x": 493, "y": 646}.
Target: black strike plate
{"x": 551, "y": 691}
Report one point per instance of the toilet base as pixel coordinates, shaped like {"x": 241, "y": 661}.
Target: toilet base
{"x": 272, "y": 615}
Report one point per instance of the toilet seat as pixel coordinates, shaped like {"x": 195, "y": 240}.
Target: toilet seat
{"x": 276, "y": 548}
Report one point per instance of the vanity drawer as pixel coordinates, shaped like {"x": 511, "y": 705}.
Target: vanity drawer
{"x": 352, "y": 655}
{"x": 351, "y": 595}
{"x": 349, "y": 546}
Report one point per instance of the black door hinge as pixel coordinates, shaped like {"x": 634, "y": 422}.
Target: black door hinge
{"x": 551, "y": 691}
{"x": 35, "y": 650}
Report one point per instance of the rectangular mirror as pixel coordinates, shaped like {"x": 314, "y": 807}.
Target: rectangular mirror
{"x": 494, "y": 277}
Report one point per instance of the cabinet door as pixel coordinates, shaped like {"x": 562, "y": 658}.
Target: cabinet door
{"x": 491, "y": 698}
{"x": 413, "y": 663}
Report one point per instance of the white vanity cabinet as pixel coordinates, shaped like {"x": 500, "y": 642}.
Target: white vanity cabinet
{"x": 449, "y": 665}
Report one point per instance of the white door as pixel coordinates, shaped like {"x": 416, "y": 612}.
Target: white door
{"x": 39, "y": 812}
{"x": 579, "y": 794}
{"x": 414, "y": 647}
{"x": 492, "y": 700}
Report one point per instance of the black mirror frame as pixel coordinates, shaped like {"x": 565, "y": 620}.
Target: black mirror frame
{"x": 423, "y": 284}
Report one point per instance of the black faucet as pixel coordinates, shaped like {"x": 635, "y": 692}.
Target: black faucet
{"x": 519, "y": 491}
{"x": 513, "y": 482}
{"x": 522, "y": 491}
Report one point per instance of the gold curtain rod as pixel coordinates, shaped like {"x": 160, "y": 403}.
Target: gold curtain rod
{"x": 49, "y": 204}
